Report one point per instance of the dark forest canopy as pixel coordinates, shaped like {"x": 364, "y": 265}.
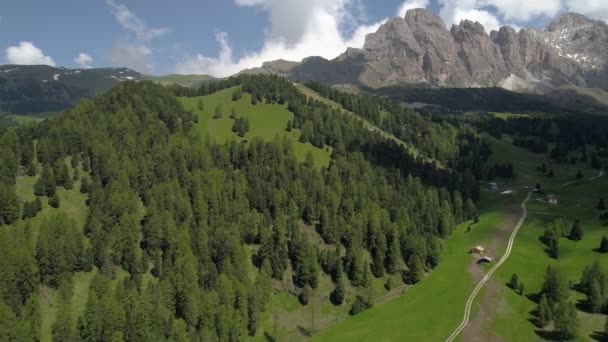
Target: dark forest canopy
{"x": 162, "y": 201}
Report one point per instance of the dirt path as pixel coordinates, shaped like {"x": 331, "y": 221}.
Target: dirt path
{"x": 472, "y": 329}
{"x": 474, "y": 332}
{"x": 486, "y": 278}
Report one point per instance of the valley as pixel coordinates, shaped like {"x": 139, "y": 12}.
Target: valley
{"x": 410, "y": 177}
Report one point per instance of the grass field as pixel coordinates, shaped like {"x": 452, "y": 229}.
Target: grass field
{"x": 410, "y": 148}
{"x": 267, "y": 121}
{"x": 529, "y": 259}
{"x": 414, "y": 316}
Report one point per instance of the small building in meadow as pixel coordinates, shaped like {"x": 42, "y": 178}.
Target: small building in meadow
{"x": 485, "y": 260}
{"x": 477, "y": 250}
{"x": 552, "y": 199}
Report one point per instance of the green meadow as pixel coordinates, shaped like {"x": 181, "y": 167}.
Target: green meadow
{"x": 267, "y": 121}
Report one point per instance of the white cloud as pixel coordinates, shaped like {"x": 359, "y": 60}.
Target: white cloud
{"x": 596, "y": 9}
{"x": 133, "y": 53}
{"x": 297, "y": 29}
{"x": 488, "y": 20}
{"x": 27, "y": 53}
{"x": 411, "y": 4}
{"x": 132, "y": 56}
{"x": 83, "y": 60}
{"x": 131, "y": 22}
{"x": 524, "y": 10}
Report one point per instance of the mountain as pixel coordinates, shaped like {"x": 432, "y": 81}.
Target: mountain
{"x": 40, "y": 89}
{"x": 419, "y": 50}
{"x": 182, "y": 80}
{"x": 36, "y": 89}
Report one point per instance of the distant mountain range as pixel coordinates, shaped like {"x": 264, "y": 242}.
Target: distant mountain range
{"x": 414, "y": 58}
{"x": 419, "y": 50}
{"x": 39, "y": 89}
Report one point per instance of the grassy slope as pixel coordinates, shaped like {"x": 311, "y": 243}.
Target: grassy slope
{"x": 414, "y": 315}
{"x": 183, "y": 80}
{"x": 267, "y": 121}
{"x": 72, "y": 202}
{"x": 529, "y": 259}
{"x": 410, "y": 148}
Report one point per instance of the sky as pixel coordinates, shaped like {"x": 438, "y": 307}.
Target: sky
{"x": 223, "y": 37}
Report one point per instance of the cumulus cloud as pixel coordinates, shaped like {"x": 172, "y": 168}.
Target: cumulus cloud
{"x": 27, "y": 53}
{"x": 411, "y": 4}
{"x": 596, "y": 9}
{"x": 132, "y": 56}
{"x": 132, "y": 23}
{"x": 83, "y": 60}
{"x": 133, "y": 53}
{"x": 297, "y": 29}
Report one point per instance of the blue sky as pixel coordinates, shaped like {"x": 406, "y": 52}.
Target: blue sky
{"x": 221, "y": 37}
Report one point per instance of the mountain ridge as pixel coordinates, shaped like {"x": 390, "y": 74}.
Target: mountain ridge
{"x": 419, "y": 49}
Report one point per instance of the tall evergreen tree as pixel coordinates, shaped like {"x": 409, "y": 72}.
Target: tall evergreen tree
{"x": 544, "y": 312}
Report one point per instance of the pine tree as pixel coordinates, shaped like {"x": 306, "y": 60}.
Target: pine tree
{"x": 601, "y": 205}
{"x": 84, "y": 185}
{"x": 604, "y": 244}
{"x": 553, "y": 249}
{"x": 555, "y": 286}
{"x": 217, "y": 113}
{"x": 337, "y": 295}
{"x": 233, "y": 113}
{"x": 566, "y": 320}
{"x": 576, "y": 233}
{"x": 9, "y": 205}
{"x": 415, "y": 272}
{"x": 54, "y": 201}
{"x": 521, "y": 288}
{"x": 544, "y": 312}
{"x": 514, "y": 282}
{"x": 200, "y": 105}
{"x": 594, "y": 297}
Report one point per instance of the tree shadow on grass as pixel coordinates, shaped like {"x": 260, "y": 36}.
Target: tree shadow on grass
{"x": 549, "y": 335}
{"x": 599, "y": 336}
{"x": 535, "y": 297}
{"x": 268, "y": 337}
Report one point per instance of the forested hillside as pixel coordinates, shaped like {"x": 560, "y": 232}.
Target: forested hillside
{"x": 183, "y": 238}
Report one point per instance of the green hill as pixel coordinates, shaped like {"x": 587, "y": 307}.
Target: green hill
{"x": 184, "y": 223}
{"x": 182, "y": 80}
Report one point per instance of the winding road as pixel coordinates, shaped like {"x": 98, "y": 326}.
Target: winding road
{"x": 484, "y": 280}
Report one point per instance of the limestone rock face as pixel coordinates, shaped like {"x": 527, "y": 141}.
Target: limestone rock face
{"x": 419, "y": 49}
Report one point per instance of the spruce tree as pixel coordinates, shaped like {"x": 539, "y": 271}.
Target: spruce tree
{"x": 54, "y": 201}
{"x": 415, "y": 272}
{"x": 576, "y": 233}
{"x": 601, "y": 205}
{"x": 555, "y": 286}
{"x": 521, "y": 288}
{"x": 604, "y": 244}
{"x": 84, "y": 185}
{"x": 566, "y": 320}
{"x": 9, "y": 205}
{"x": 544, "y": 312}
{"x": 514, "y": 282}
{"x": 594, "y": 297}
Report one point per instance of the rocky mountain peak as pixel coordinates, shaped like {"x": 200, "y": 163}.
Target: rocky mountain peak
{"x": 570, "y": 20}
{"x": 419, "y": 49}
{"x": 420, "y": 17}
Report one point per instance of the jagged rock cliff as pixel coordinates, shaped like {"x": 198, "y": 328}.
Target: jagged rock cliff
{"x": 419, "y": 49}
